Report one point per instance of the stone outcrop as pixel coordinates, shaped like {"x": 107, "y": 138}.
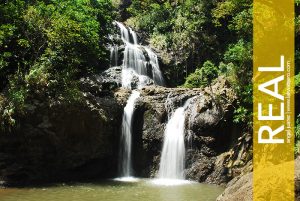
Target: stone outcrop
{"x": 208, "y": 132}
{"x": 59, "y": 140}
{"x": 241, "y": 187}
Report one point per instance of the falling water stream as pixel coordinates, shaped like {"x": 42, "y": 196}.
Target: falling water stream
{"x": 141, "y": 62}
{"x": 172, "y": 161}
{"x": 125, "y": 168}
{"x": 173, "y": 152}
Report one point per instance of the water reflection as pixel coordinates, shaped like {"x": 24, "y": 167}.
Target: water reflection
{"x": 141, "y": 190}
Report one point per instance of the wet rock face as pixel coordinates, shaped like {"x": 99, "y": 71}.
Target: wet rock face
{"x": 57, "y": 140}
{"x": 62, "y": 141}
{"x": 103, "y": 83}
{"x": 151, "y": 109}
{"x": 207, "y": 132}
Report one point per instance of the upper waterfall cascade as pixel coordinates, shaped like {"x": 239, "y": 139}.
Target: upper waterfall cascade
{"x": 139, "y": 61}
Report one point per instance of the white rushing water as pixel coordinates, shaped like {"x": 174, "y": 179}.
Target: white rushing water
{"x": 126, "y": 137}
{"x": 172, "y": 161}
{"x": 173, "y": 153}
{"x": 114, "y": 56}
{"x": 156, "y": 73}
{"x": 139, "y": 61}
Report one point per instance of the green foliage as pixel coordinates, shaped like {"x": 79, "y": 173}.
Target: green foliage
{"x": 242, "y": 22}
{"x": 297, "y": 128}
{"x": 244, "y": 112}
{"x": 240, "y": 115}
{"x": 194, "y": 80}
{"x": 297, "y": 134}
{"x": 297, "y": 61}
{"x": 183, "y": 27}
{"x": 14, "y": 103}
{"x": 239, "y": 71}
{"x": 239, "y": 53}
{"x": 297, "y": 83}
{"x": 45, "y": 46}
{"x": 69, "y": 33}
{"x": 10, "y": 28}
{"x": 202, "y": 76}
{"x": 237, "y": 66}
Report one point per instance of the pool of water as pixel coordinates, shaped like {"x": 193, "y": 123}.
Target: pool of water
{"x": 115, "y": 190}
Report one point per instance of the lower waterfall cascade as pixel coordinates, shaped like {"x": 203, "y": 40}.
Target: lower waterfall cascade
{"x": 173, "y": 152}
{"x": 172, "y": 160}
{"x": 125, "y": 167}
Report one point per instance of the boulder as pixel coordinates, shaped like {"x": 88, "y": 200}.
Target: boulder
{"x": 59, "y": 140}
{"x": 240, "y": 188}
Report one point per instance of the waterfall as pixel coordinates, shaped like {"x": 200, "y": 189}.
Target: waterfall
{"x": 173, "y": 153}
{"x": 156, "y": 73}
{"x": 125, "y": 167}
{"x": 172, "y": 161}
{"x": 140, "y": 66}
{"x": 114, "y": 56}
{"x": 139, "y": 61}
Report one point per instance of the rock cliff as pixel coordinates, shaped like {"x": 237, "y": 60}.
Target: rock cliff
{"x": 57, "y": 140}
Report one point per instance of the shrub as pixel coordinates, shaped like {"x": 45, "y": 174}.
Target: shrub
{"x": 202, "y": 76}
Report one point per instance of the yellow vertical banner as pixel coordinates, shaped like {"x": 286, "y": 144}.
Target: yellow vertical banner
{"x": 273, "y": 94}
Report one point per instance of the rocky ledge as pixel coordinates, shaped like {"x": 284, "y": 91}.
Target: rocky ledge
{"x": 208, "y": 129}
{"x": 57, "y": 140}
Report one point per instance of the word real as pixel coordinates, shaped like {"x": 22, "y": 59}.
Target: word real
{"x": 266, "y": 110}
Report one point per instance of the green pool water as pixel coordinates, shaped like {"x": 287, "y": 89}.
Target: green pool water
{"x": 112, "y": 190}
